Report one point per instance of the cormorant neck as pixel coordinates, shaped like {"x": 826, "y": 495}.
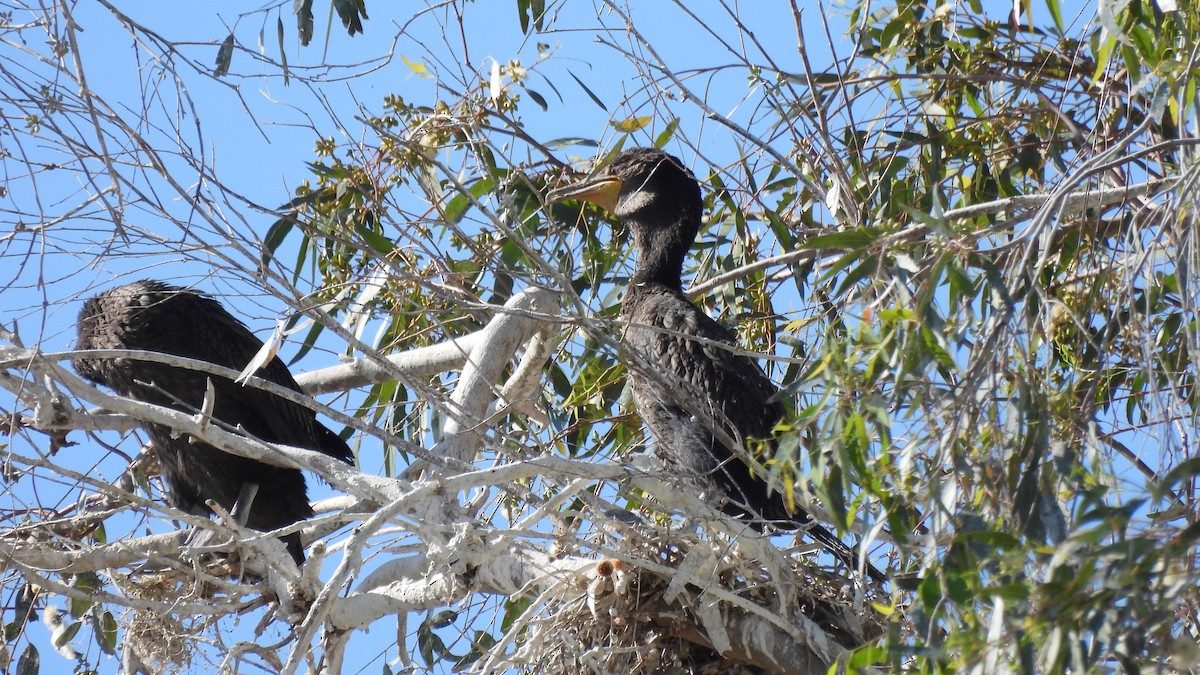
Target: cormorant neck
{"x": 661, "y": 250}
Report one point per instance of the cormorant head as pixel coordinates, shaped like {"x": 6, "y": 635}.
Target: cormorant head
{"x": 90, "y": 327}
{"x": 107, "y": 319}
{"x": 645, "y": 187}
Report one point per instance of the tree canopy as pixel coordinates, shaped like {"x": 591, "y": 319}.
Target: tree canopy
{"x": 959, "y": 240}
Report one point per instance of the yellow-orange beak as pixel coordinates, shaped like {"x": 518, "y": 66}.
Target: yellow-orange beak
{"x": 601, "y": 191}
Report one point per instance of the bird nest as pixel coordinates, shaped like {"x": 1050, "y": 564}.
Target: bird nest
{"x": 707, "y": 608}
{"x": 165, "y": 641}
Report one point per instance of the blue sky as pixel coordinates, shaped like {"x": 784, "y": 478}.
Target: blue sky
{"x": 259, "y": 133}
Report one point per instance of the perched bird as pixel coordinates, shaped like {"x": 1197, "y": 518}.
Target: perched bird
{"x": 156, "y": 317}
{"x": 695, "y": 394}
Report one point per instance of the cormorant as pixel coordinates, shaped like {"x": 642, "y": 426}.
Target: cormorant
{"x": 691, "y": 370}
{"x": 157, "y": 317}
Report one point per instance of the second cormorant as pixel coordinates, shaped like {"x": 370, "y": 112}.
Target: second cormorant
{"x": 157, "y": 317}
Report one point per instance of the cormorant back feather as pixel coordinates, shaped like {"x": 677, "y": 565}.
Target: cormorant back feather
{"x": 157, "y": 317}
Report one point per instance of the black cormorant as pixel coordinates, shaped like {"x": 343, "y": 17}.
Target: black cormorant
{"x": 691, "y": 369}
{"x": 157, "y": 317}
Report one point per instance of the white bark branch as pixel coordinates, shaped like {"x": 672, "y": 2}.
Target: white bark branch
{"x": 517, "y": 324}
{"x": 420, "y": 362}
{"x": 452, "y": 559}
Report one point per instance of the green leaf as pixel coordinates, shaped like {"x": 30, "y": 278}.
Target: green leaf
{"x": 863, "y": 270}
{"x": 64, "y": 638}
{"x": 30, "y": 662}
{"x": 376, "y": 241}
{"x": 351, "y": 12}
{"x": 930, "y": 591}
{"x": 560, "y": 143}
{"x": 1055, "y": 14}
{"x": 537, "y": 98}
{"x": 863, "y": 658}
{"x": 445, "y": 617}
{"x": 1103, "y": 56}
{"x": 893, "y": 315}
{"x": 460, "y": 204}
{"x": 480, "y": 644}
{"x": 106, "y": 632}
{"x": 224, "y": 57}
{"x": 513, "y": 609}
{"x": 1183, "y": 472}
{"x": 595, "y": 99}
{"x": 1013, "y": 592}
{"x": 957, "y": 587}
{"x": 87, "y": 584}
{"x": 523, "y": 15}
{"x": 632, "y": 124}
{"x": 310, "y": 341}
{"x": 539, "y": 13}
{"x": 324, "y": 172}
{"x": 660, "y": 141}
{"x": 851, "y": 239}
{"x": 931, "y": 344}
{"x": 100, "y": 535}
{"x": 429, "y": 645}
{"x": 304, "y": 20}
{"x": 282, "y": 49}
{"x": 276, "y": 234}
{"x": 24, "y": 609}
{"x": 301, "y": 256}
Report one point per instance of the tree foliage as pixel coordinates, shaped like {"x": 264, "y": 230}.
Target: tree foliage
{"x": 962, "y": 243}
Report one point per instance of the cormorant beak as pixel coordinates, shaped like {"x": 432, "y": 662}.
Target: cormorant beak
{"x": 601, "y": 191}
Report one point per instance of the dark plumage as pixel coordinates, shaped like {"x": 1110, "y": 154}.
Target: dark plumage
{"x": 691, "y": 371}
{"x": 156, "y": 317}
